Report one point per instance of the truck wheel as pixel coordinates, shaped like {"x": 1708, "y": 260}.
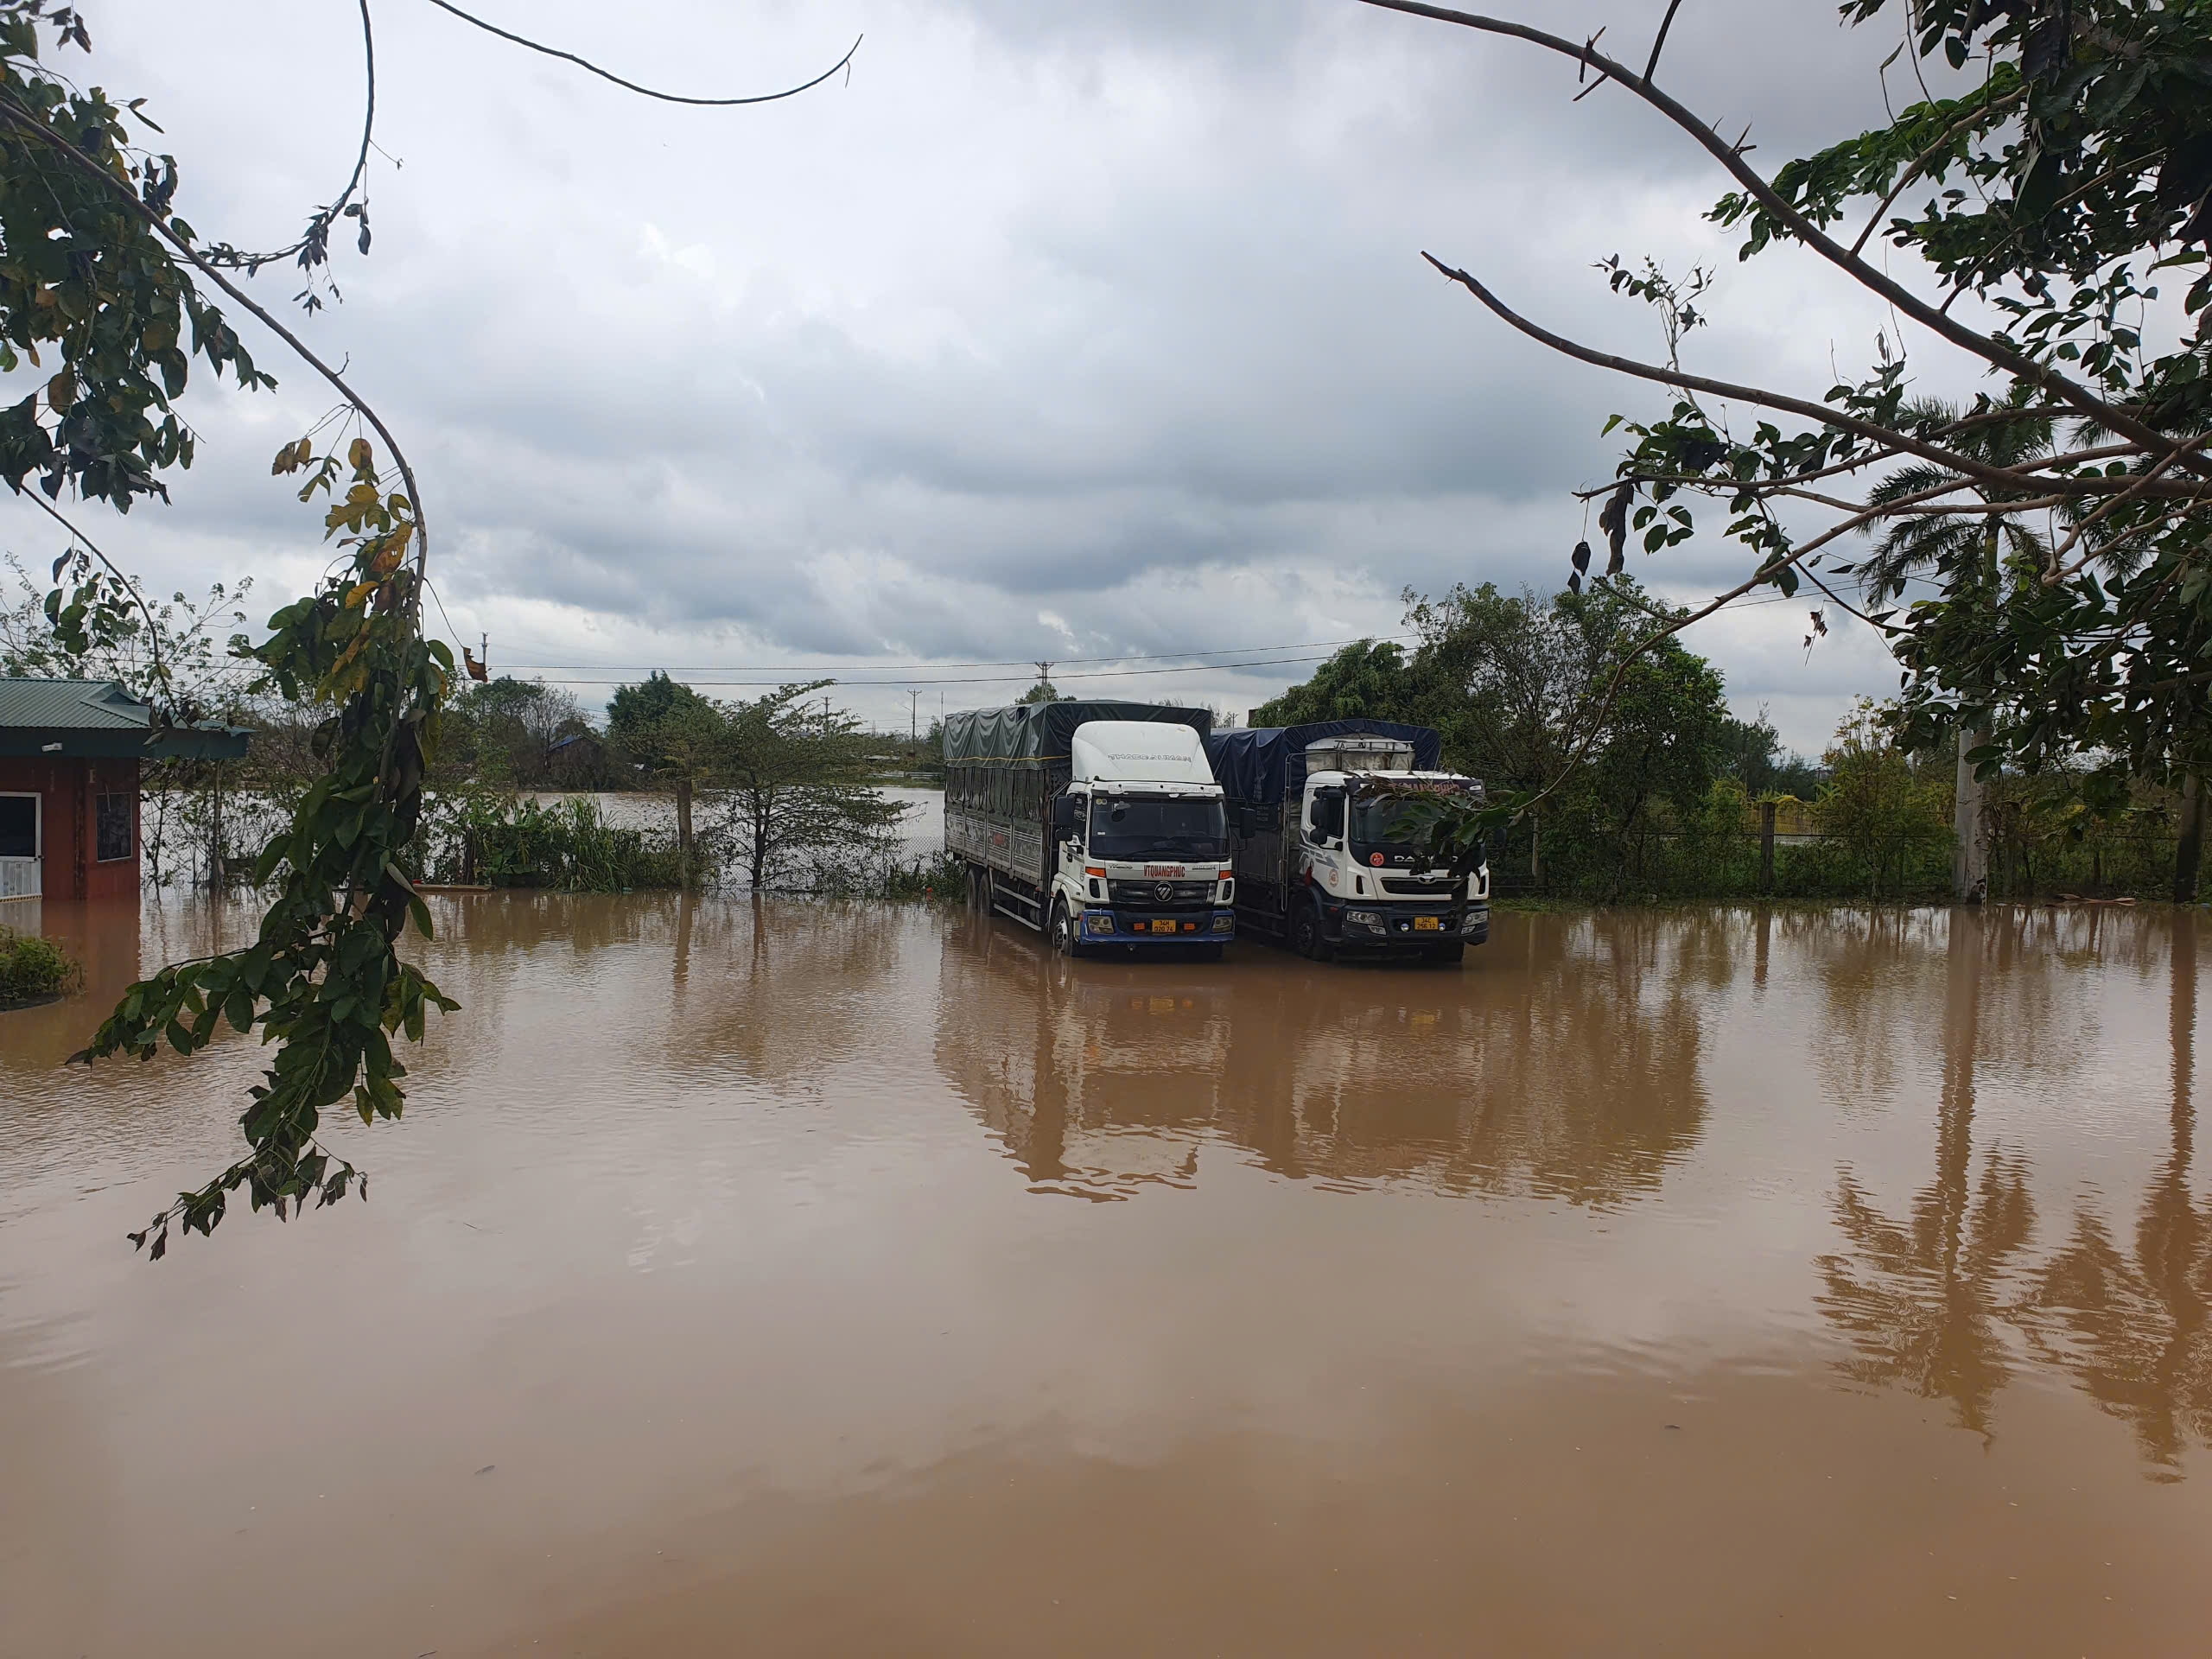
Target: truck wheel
{"x": 1307, "y": 937}
{"x": 1446, "y": 956}
{"x": 1065, "y": 939}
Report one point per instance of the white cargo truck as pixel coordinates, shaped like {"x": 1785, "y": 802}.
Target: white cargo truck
{"x": 1098, "y": 823}
{"x": 1326, "y": 858}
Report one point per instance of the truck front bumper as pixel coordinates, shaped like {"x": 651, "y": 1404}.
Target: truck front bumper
{"x": 1102, "y": 925}
{"x": 1392, "y": 928}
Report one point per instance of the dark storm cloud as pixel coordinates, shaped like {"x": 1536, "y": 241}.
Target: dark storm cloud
{"x": 1099, "y": 326}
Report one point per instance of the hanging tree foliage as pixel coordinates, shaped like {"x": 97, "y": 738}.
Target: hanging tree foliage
{"x": 103, "y": 281}
{"x": 2050, "y": 227}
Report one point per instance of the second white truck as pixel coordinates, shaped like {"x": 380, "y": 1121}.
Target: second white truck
{"x": 1327, "y": 859}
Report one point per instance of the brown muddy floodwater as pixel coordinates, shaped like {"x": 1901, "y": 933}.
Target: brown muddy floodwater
{"x": 823, "y": 1280}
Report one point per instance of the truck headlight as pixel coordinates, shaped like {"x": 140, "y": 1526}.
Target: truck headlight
{"x": 1363, "y": 917}
{"x": 1098, "y": 921}
{"x": 1224, "y": 924}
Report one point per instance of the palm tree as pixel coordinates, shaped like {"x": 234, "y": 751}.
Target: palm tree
{"x": 1962, "y": 548}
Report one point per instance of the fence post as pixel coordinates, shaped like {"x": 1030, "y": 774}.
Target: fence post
{"x": 1766, "y": 848}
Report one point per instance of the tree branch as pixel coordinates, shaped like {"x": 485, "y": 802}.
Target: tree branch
{"x": 1919, "y": 162}
{"x": 1820, "y": 414}
{"x": 631, "y": 85}
{"x": 319, "y": 224}
{"x": 30, "y": 120}
{"x": 153, "y": 628}
{"x": 1660, "y": 44}
{"x": 1731, "y": 159}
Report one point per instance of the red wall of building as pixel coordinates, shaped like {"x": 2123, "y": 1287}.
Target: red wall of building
{"x": 68, "y": 789}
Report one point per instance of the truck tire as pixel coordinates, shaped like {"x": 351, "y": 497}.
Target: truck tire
{"x": 1307, "y": 934}
{"x": 1065, "y": 939}
{"x": 1444, "y": 955}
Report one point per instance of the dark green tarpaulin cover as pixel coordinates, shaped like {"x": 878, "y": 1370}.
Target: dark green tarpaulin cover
{"x": 1046, "y": 731}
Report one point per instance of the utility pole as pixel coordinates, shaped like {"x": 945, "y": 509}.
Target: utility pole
{"x": 1045, "y": 674}
{"x": 913, "y": 729}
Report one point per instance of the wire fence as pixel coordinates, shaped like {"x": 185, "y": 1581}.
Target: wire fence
{"x": 1732, "y": 862}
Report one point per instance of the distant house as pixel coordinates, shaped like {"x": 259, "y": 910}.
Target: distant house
{"x": 70, "y": 754}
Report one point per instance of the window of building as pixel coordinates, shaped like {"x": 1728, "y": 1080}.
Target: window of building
{"x": 114, "y": 832}
{"x": 18, "y": 826}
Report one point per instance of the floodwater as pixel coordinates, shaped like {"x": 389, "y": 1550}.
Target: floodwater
{"x": 808, "y": 1280}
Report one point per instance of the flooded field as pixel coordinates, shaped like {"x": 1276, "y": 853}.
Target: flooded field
{"x": 806, "y": 1280}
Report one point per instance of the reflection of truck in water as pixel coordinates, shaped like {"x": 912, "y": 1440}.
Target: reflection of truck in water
{"x": 1580, "y": 1076}
{"x": 1325, "y": 855}
{"x": 1098, "y": 1081}
{"x": 1098, "y": 824}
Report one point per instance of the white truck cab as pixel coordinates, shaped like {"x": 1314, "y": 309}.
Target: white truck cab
{"x": 1361, "y": 860}
{"x": 1142, "y": 843}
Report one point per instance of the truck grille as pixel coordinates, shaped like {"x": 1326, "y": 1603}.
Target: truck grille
{"x": 1420, "y": 889}
{"x": 1169, "y": 895}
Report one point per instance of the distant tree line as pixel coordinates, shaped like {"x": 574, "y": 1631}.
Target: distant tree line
{"x": 1664, "y": 785}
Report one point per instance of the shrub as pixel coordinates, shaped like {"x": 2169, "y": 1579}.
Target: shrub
{"x": 936, "y": 878}
{"x": 32, "y": 967}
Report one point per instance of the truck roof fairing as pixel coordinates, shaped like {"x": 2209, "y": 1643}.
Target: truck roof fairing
{"x": 1132, "y": 752}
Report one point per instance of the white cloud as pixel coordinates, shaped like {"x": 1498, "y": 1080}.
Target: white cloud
{"x": 1058, "y": 331}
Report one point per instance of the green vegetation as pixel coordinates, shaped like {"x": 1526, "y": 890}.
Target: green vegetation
{"x": 512, "y": 842}
{"x": 100, "y": 274}
{"x": 32, "y": 969}
{"x": 938, "y": 878}
{"x": 2053, "y": 616}
{"x": 1659, "y": 793}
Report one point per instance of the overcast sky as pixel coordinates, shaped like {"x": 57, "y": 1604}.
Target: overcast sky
{"x": 1062, "y": 331}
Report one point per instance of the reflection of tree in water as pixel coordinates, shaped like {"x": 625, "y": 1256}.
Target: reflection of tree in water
{"x": 2132, "y": 1330}
{"x": 774, "y": 990}
{"x": 1934, "y": 1303}
{"x": 1879, "y": 972}
{"x": 1573, "y": 1072}
{"x": 1923, "y": 1302}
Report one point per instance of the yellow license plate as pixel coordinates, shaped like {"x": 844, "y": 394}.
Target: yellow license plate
{"x": 1428, "y": 923}
{"x": 1163, "y": 927}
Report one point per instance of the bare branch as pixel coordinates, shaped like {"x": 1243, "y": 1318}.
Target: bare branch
{"x": 631, "y": 85}
{"x": 1731, "y": 159}
{"x": 323, "y": 218}
{"x": 1820, "y": 413}
{"x": 153, "y": 628}
{"x": 1660, "y": 44}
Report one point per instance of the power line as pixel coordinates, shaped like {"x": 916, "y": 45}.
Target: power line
{"x": 863, "y": 667}
{"x": 998, "y": 679}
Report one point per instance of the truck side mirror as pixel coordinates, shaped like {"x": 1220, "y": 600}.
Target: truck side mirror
{"x": 1064, "y": 815}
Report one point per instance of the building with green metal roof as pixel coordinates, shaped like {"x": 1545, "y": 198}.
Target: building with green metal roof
{"x": 71, "y": 752}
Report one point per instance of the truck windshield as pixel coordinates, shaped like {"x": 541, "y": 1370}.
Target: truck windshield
{"x": 1389, "y": 824}
{"x": 1142, "y": 827}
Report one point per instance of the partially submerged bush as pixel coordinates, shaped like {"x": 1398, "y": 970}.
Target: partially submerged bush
{"x": 935, "y": 878}
{"x": 567, "y": 846}
{"x": 31, "y": 967}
